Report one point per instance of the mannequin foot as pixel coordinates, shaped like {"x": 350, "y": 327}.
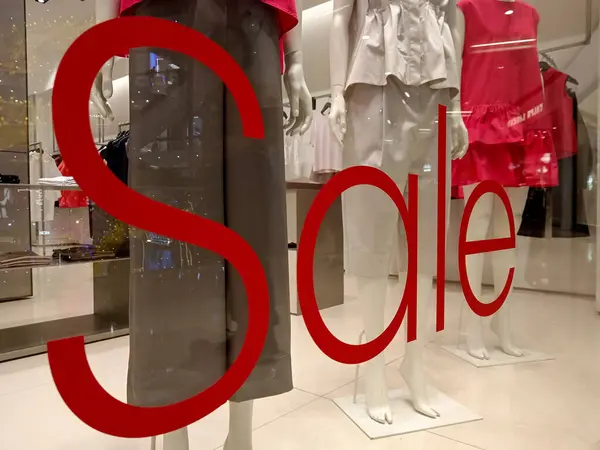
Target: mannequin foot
{"x": 506, "y": 343}
{"x": 476, "y": 348}
{"x": 415, "y": 380}
{"x": 378, "y": 406}
{"x": 380, "y": 414}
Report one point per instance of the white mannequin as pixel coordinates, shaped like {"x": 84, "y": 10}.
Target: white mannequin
{"x": 240, "y": 414}
{"x": 372, "y": 292}
{"x": 489, "y": 211}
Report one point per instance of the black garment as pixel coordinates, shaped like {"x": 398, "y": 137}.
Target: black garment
{"x": 115, "y": 155}
{"x": 188, "y": 307}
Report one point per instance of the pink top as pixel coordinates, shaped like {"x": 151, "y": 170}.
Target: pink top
{"x": 501, "y": 84}
{"x": 287, "y": 15}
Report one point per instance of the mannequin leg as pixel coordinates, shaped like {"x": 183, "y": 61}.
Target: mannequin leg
{"x": 240, "y": 426}
{"x": 412, "y": 368}
{"x": 176, "y": 440}
{"x": 479, "y": 225}
{"x": 501, "y": 262}
{"x": 372, "y": 295}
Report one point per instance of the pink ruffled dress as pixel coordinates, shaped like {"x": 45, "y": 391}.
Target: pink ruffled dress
{"x": 502, "y": 98}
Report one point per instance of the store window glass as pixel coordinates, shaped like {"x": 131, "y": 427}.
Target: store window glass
{"x": 483, "y": 114}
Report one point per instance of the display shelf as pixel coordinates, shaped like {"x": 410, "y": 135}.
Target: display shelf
{"x": 302, "y": 185}
{"x": 62, "y": 263}
{"x": 35, "y": 187}
{"x": 32, "y": 339}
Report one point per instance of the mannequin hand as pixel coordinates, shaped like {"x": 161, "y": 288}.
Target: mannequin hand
{"x": 337, "y": 115}
{"x": 459, "y": 135}
{"x": 300, "y": 98}
{"x": 99, "y": 99}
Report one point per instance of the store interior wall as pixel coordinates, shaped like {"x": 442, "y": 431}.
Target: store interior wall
{"x": 561, "y": 23}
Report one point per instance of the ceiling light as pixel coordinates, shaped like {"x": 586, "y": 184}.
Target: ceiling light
{"x": 42, "y": 1}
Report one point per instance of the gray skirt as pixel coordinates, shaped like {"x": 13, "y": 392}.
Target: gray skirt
{"x": 188, "y": 307}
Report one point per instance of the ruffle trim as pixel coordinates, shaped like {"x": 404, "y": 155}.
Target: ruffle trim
{"x": 494, "y": 124}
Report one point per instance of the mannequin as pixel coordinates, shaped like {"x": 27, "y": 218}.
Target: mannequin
{"x": 519, "y": 139}
{"x": 355, "y": 98}
{"x": 241, "y": 410}
{"x": 489, "y": 214}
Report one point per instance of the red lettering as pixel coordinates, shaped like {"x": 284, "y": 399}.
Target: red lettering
{"x": 71, "y": 372}
{"x": 485, "y": 246}
{"x": 325, "y": 340}
{"x": 440, "y": 282}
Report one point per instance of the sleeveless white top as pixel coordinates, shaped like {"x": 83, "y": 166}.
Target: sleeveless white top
{"x": 408, "y": 39}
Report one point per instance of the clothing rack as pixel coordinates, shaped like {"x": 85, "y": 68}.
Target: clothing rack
{"x": 588, "y": 32}
{"x": 123, "y": 126}
{"x": 286, "y": 104}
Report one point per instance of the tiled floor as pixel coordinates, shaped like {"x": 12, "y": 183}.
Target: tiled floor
{"x": 551, "y": 405}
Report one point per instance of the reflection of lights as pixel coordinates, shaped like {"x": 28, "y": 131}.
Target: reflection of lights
{"x": 504, "y": 46}
{"x": 495, "y": 44}
{"x": 509, "y": 12}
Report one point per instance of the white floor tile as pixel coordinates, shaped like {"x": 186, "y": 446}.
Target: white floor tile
{"x": 544, "y": 405}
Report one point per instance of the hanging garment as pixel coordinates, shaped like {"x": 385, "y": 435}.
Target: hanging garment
{"x": 293, "y": 169}
{"x": 557, "y": 115}
{"x": 71, "y": 199}
{"x": 565, "y": 202}
{"x": 108, "y": 233}
{"x": 188, "y": 306}
{"x": 299, "y": 158}
{"x": 41, "y": 166}
{"x": 115, "y": 155}
{"x": 327, "y": 149}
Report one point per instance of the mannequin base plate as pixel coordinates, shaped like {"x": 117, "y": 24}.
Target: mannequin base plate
{"x": 406, "y": 419}
{"x": 498, "y": 357}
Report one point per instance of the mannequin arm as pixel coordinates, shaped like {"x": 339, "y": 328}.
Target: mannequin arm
{"x": 294, "y": 81}
{"x": 460, "y": 136}
{"x": 339, "y": 48}
{"x": 106, "y": 10}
